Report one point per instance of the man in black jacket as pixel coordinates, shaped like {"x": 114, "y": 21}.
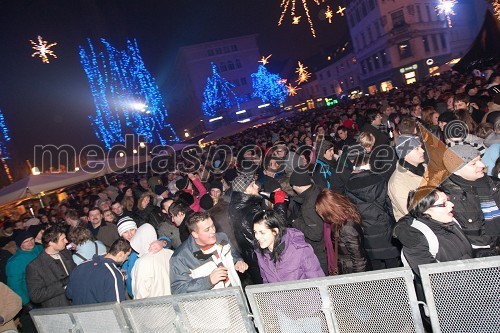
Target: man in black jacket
{"x": 476, "y": 197}
{"x": 48, "y": 274}
{"x": 304, "y": 216}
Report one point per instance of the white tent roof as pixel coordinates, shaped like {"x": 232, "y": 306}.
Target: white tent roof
{"x": 33, "y": 185}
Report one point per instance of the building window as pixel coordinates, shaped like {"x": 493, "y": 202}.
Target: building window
{"x": 383, "y": 56}
{"x": 404, "y": 49}
{"x": 398, "y": 19}
{"x": 371, "y": 4}
{"x": 324, "y": 91}
{"x": 238, "y": 63}
{"x": 363, "y": 9}
{"x": 218, "y": 50}
{"x": 419, "y": 13}
{"x": 428, "y": 12}
{"x": 321, "y": 76}
{"x": 226, "y": 49}
{"x": 363, "y": 67}
{"x": 358, "y": 18}
{"x": 370, "y": 36}
{"x": 337, "y": 68}
{"x": 351, "y": 20}
{"x": 210, "y": 53}
{"x": 363, "y": 39}
{"x": 434, "y": 42}
{"x": 230, "y": 65}
{"x": 234, "y": 48}
{"x": 425, "y": 41}
{"x": 328, "y": 74}
{"x": 223, "y": 67}
{"x": 369, "y": 64}
{"x": 377, "y": 29}
{"x": 443, "y": 41}
{"x": 375, "y": 61}
{"x": 243, "y": 81}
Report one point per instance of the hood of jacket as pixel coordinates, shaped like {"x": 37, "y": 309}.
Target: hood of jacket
{"x": 144, "y": 236}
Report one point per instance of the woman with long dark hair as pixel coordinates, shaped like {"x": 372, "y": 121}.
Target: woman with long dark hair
{"x": 344, "y": 247}
{"x": 282, "y": 253}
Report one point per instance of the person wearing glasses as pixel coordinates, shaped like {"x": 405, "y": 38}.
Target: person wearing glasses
{"x": 430, "y": 233}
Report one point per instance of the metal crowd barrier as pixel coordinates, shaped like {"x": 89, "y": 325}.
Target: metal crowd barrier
{"x": 222, "y": 310}
{"x": 379, "y": 301}
{"x": 463, "y": 296}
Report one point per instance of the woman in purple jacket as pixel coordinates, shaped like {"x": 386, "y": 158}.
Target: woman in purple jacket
{"x": 283, "y": 253}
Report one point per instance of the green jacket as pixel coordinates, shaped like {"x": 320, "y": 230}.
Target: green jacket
{"x": 16, "y": 271}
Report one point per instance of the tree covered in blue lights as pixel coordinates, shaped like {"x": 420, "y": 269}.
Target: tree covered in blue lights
{"x": 269, "y": 87}
{"x": 218, "y": 94}
{"x": 4, "y": 137}
{"x": 126, "y": 97}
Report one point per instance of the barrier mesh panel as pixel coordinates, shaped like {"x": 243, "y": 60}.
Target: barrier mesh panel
{"x": 152, "y": 318}
{"x": 467, "y": 301}
{"x": 53, "y": 323}
{"x": 96, "y": 321}
{"x": 372, "y": 306}
{"x": 292, "y": 311}
{"x": 219, "y": 314}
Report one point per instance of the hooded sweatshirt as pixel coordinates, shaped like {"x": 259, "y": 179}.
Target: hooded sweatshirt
{"x": 151, "y": 272}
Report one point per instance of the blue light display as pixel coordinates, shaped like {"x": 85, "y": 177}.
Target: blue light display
{"x": 269, "y": 87}
{"x": 218, "y": 94}
{"x": 4, "y": 137}
{"x": 126, "y": 97}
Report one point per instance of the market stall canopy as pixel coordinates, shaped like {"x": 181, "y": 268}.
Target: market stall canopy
{"x": 46, "y": 182}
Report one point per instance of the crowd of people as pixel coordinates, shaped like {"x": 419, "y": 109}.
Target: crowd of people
{"x": 405, "y": 177}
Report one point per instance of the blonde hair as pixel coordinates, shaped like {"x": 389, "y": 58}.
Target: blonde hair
{"x": 366, "y": 139}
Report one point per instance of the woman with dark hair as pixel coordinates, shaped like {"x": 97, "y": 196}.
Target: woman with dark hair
{"x": 346, "y": 254}
{"x": 282, "y": 253}
{"x": 430, "y": 233}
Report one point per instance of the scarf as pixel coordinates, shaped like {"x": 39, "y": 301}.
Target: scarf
{"x": 489, "y": 207}
{"x": 331, "y": 250}
{"x": 325, "y": 171}
{"x": 418, "y": 170}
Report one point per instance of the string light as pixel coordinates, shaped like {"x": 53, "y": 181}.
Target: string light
{"x": 265, "y": 60}
{"x": 286, "y": 4}
{"x": 268, "y": 87}
{"x": 329, "y": 14}
{"x": 445, "y": 8}
{"x": 341, "y": 10}
{"x": 218, "y": 94}
{"x": 292, "y": 91}
{"x": 4, "y": 154}
{"x": 119, "y": 82}
{"x": 43, "y": 50}
{"x": 303, "y": 74}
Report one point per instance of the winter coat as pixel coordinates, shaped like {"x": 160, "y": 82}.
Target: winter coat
{"x": 151, "y": 271}
{"x": 305, "y": 219}
{"x": 220, "y": 217}
{"x": 87, "y": 250}
{"x": 368, "y": 192}
{"x": 107, "y": 233}
{"x": 16, "y": 271}
{"x": 297, "y": 261}
{"x": 380, "y": 137}
{"x": 402, "y": 181}
{"x": 467, "y": 210}
{"x": 96, "y": 281}
{"x": 453, "y": 245}
{"x": 47, "y": 278}
{"x": 242, "y": 209}
{"x": 352, "y": 256}
{"x": 10, "y": 305}
{"x": 190, "y": 267}
{"x": 328, "y": 174}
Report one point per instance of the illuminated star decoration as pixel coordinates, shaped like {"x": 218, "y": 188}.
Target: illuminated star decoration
{"x": 446, "y": 7}
{"x": 303, "y": 74}
{"x": 285, "y": 4}
{"x": 341, "y": 11}
{"x": 329, "y": 14}
{"x": 43, "y": 50}
{"x": 265, "y": 60}
{"x": 292, "y": 91}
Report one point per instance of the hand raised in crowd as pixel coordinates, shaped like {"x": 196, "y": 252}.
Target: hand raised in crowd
{"x": 219, "y": 274}
{"x": 156, "y": 246}
{"x": 241, "y": 266}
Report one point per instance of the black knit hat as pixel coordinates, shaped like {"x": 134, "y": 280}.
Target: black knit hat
{"x": 300, "y": 179}
{"x": 206, "y": 202}
{"x": 216, "y": 184}
{"x": 182, "y": 183}
{"x": 21, "y": 236}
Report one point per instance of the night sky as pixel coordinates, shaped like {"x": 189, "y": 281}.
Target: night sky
{"x": 50, "y": 103}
